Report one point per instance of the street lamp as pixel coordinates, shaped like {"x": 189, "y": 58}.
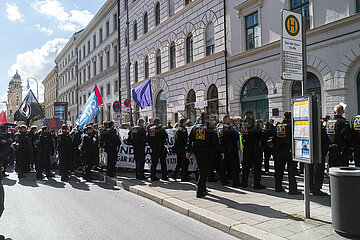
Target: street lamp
{"x": 37, "y": 86}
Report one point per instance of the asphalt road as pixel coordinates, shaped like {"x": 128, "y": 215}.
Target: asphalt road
{"x": 80, "y": 210}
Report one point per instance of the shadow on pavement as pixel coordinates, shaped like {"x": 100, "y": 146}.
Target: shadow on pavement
{"x": 53, "y": 183}
{"x": 106, "y": 186}
{"x": 78, "y": 184}
{"x": 9, "y": 182}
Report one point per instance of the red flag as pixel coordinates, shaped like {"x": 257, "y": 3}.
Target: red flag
{"x": 2, "y": 117}
{"x": 98, "y": 96}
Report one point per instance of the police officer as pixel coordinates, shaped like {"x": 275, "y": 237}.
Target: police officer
{"x": 45, "y": 148}
{"x": 202, "y": 139}
{"x": 339, "y": 133}
{"x": 269, "y": 130}
{"x": 112, "y": 141}
{"x": 137, "y": 134}
{"x": 251, "y": 134}
{"x": 355, "y": 130}
{"x": 65, "y": 147}
{"x": 32, "y": 135}
{"x": 89, "y": 149}
{"x": 283, "y": 146}
{"x": 156, "y": 138}
{"x": 2, "y": 194}
{"x": 228, "y": 139}
{"x": 22, "y": 150}
{"x": 181, "y": 138}
{"x": 76, "y": 141}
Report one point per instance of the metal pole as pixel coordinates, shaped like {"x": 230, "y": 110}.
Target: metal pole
{"x": 128, "y": 64}
{"x": 118, "y": 53}
{"x": 306, "y": 165}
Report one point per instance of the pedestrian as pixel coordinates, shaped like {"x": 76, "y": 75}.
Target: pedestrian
{"x": 181, "y": 139}
{"x": 89, "y": 149}
{"x": 112, "y": 141}
{"x": 269, "y": 130}
{"x": 78, "y": 155}
{"x": 137, "y": 136}
{"x": 251, "y": 134}
{"x": 2, "y": 195}
{"x": 283, "y": 147}
{"x": 22, "y": 150}
{"x": 45, "y": 148}
{"x": 339, "y": 134}
{"x": 32, "y": 135}
{"x": 202, "y": 139}
{"x": 355, "y": 130}
{"x": 65, "y": 148}
{"x": 156, "y": 138}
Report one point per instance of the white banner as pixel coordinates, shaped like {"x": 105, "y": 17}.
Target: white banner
{"x": 126, "y": 153}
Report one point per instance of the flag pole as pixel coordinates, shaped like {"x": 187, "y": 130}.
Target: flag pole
{"x": 128, "y": 63}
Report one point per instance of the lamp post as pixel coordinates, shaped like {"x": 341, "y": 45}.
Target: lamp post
{"x": 37, "y": 86}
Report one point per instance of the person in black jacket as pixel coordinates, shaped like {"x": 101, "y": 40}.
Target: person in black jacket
{"x": 181, "y": 138}
{"x": 32, "y": 135}
{"x": 2, "y": 194}
{"x": 78, "y": 155}
{"x": 202, "y": 139}
{"x": 89, "y": 149}
{"x": 111, "y": 139}
{"x": 268, "y": 144}
{"x": 22, "y": 150}
{"x": 137, "y": 136}
{"x": 45, "y": 148}
{"x": 65, "y": 149}
{"x": 156, "y": 138}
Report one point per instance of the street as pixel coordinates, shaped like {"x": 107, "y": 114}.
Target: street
{"x": 81, "y": 210}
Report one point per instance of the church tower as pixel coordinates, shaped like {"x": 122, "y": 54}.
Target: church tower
{"x": 14, "y": 97}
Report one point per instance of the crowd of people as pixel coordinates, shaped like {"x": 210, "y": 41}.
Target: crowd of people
{"x": 230, "y": 149}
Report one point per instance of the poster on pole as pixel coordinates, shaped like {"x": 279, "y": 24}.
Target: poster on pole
{"x": 292, "y": 62}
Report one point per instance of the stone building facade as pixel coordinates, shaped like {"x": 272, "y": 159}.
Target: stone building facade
{"x": 14, "y": 99}
{"x": 333, "y": 55}
{"x": 50, "y": 93}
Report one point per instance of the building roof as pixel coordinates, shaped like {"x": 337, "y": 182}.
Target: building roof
{"x": 17, "y": 76}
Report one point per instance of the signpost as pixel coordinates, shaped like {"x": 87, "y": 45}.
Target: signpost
{"x": 116, "y": 106}
{"x": 127, "y": 103}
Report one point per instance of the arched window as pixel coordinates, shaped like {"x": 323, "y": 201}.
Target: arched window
{"x": 157, "y": 13}
{"x": 172, "y": 56}
{"x": 146, "y": 23}
{"x": 210, "y": 39}
{"x": 161, "y": 110}
{"x": 135, "y": 30}
{"x": 213, "y": 102}
{"x": 136, "y": 72}
{"x": 189, "y": 48}
{"x": 190, "y": 105}
{"x": 313, "y": 86}
{"x": 158, "y": 62}
{"x": 146, "y": 67}
{"x": 254, "y": 95}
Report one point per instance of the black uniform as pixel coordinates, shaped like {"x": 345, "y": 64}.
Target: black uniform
{"x": 339, "y": 133}
{"x": 181, "y": 139}
{"x": 76, "y": 141}
{"x": 156, "y": 138}
{"x": 89, "y": 144}
{"x": 202, "y": 139}
{"x": 45, "y": 148}
{"x": 251, "y": 134}
{"x": 268, "y": 144}
{"x": 22, "y": 151}
{"x": 283, "y": 156}
{"x": 65, "y": 148}
{"x": 32, "y": 137}
{"x": 2, "y": 193}
{"x": 355, "y": 129}
{"x": 112, "y": 142}
{"x": 228, "y": 139}
{"x": 137, "y": 134}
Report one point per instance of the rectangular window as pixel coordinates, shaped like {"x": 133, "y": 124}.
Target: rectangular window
{"x": 136, "y": 72}
{"x": 116, "y": 54}
{"x": 171, "y": 7}
{"x": 89, "y": 47}
{"x": 101, "y": 64}
{"x": 80, "y": 77}
{"x": 101, "y": 35}
{"x": 115, "y": 21}
{"x": 107, "y": 28}
{"x": 84, "y": 99}
{"x": 79, "y": 55}
{"x": 89, "y": 72}
{"x": 126, "y": 4}
{"x": 116, "y": 86}
{"x": 357, "y": 6}
{"x": 108, "y": 113}
{"x": 172, "y": 57}
{"x": 108, "y": 89}
{"x": 302, "y": 7}
{"x": 102, "y": 91}
{"x": 84, "y": 73}
{"x": 94, "y": 66}
{"x": 107, "y": 59}
{"x": 84, "y": 51}
{"x": 126, "y": 38}
{"x": 158, "y": 64}
{"x": 146, "y": 68}
{"x": 252, "y": 31}
{"x": 94, "y": 42}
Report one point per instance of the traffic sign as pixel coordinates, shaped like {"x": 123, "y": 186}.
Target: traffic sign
{"x": 292, "y": 63}
{"x": 116, "y": 106}
{"x": 127, "y": 103}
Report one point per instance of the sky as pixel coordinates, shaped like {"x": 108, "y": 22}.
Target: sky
{"x": 33, "y": 32}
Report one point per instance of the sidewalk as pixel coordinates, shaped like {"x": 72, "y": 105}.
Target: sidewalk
{"x": 244, "y": 213}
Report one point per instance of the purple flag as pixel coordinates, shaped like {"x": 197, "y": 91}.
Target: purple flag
{"x": 142, "y": 94}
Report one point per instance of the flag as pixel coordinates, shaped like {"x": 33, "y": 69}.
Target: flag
{"x": 100, "y": 101}
{"x": 29, "y": 108}
{"x": 142, "y": 94}
{"x": 2, "y": 117}
{"x": 91, "y": 109}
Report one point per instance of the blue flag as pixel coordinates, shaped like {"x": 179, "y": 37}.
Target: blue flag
{"x": 142, "y": 94}
{"x": 91, "y": 110}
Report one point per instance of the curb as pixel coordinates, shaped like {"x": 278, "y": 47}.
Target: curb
{"x": 227, "y": 225}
